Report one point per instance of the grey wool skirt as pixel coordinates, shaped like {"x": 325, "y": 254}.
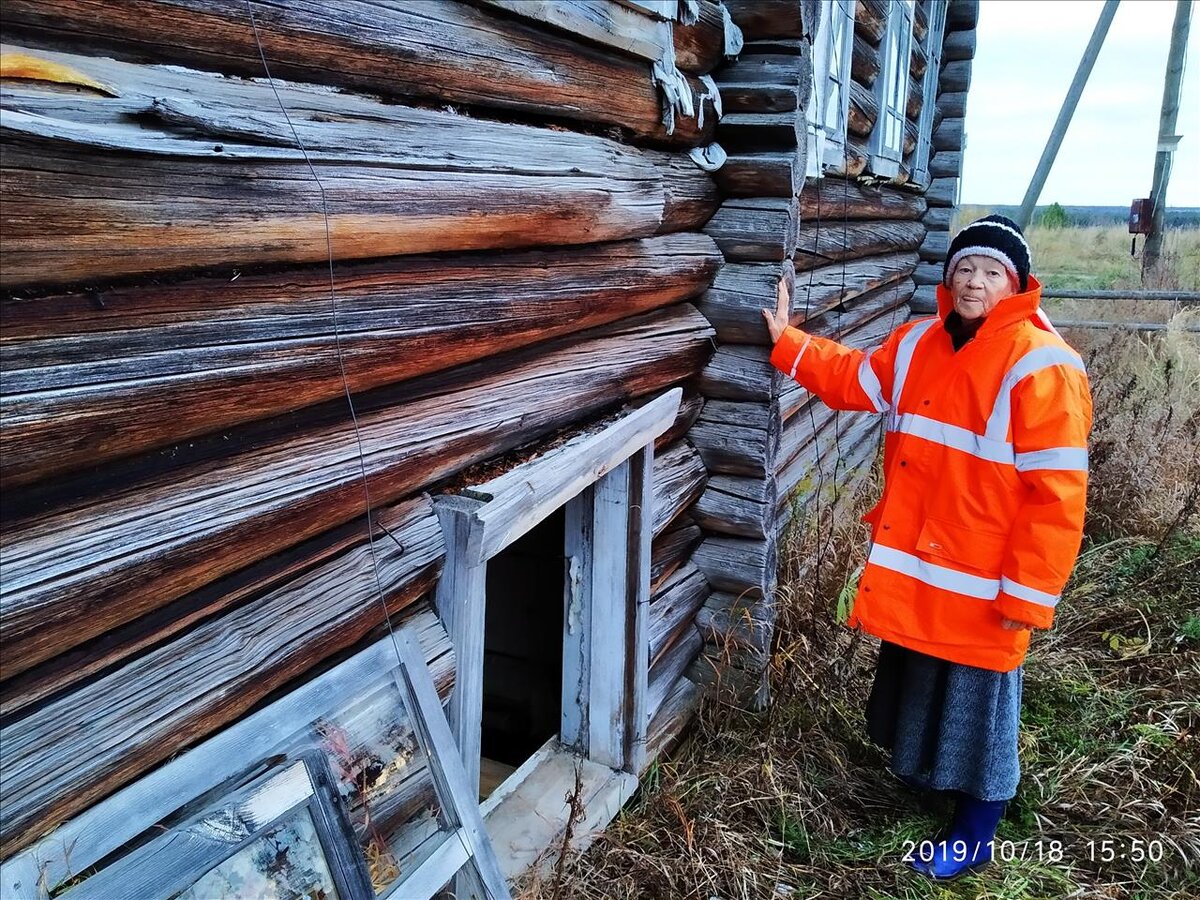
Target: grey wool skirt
{"x": 948, "y": 726}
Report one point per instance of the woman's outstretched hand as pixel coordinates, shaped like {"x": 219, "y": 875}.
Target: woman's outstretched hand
{"x": 778, "y": 320}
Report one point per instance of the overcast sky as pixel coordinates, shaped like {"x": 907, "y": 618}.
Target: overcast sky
{"x": 1025, "y": 59}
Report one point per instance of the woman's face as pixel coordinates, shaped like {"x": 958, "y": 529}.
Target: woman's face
{"x": 977, "y": 284}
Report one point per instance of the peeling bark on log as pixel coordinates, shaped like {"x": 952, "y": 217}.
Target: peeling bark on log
{"x": 104, "y": 558}
{"x": 762, "y": 174}
{"x": 679, "y": 477}
{"x": 870, "y": 19}
{"x": 737, "y": 505}
{"x": 834, "y": 199}
{"x": 755, "y": 229}
{"x": 443, "y": 52}
{"x": 737, "y": 438}
{"x": 761, "y": 19}
{"x": 161, "y": 364}
{"x": 178, "y": 693}
{"x": 958, "y": 45}
{"x": 673, "y": 608}
{"x": 864, "y": 63}
{"x": 955, "y": 77}
{"x": 738, "y": 292}
{"x": 821, "y": 244}
{"x": 672, "y": 549}
{"x": 738, "y": 565}
{"x": 942, "y": 192}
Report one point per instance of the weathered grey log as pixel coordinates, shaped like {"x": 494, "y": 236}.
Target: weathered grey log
{"x": 853, "y": 472}
{"x": 846, "y": 320}
{"x": 741, "y": 626}
{"x": 759, "y": 132}
{"x": 170, "y": 697}
{"x": 834, "y": 199}
{"x": 864, "y": 62}
{"x": 916, "y": 99}
{"x": 800, "y": 475}
{"x": 718, "y": 669}
{"x": 609, "y": 25}
{"x": 938, "y": 218}
{"x": 679, "y": 477}
{"x": 855, "y": 160}
{"x": 738, "y": 565}
{"x": 942, "y": 192}
{"x": 740, "y": 372}
{"x": 962, "y": 15}
{"x": 737, "y": 438}
{"x": 783, "y": 46}
{"x": 157, "y": 365}
{"x": 818, "y": 290}
{"x": 739, "y": 291}
{"x": 741, "y": 97}
{"x": 759, "y": 19}
{"x": 689, "y": 409}
{"x": 778, "y": 174}
{"x": 445, "y": 52}
{"x": 918, "y": 63}
{"x": 673, "y": 608}
{"x": 955, "y": 77}
{"x": 103, "y": 558}
{"x": 928, "y": 273}
{"x": 946, "y": 164}
{"x": 924, "y": 301}
{"x": 958, "y": 45}
{"x": 701, "y": 46}
{"x": 870, "y": 19}
{"x": 949, "y": 135}
{"x": 862, "y": 111}
{"x": 935, "y": 246}
{"x": 737, "y": 505}
{"x": 672, "y": 549}
{"x": 952, "y": 104}
{"x": 763, "y": 83}
{"x": 822, "y": 243}
{"x": 690, "y": 195}
{"x": 749, "y": 229}
{"x": 667, "y": 682}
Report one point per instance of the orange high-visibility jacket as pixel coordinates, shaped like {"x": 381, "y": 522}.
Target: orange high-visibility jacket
{"x": 985, "y": 475}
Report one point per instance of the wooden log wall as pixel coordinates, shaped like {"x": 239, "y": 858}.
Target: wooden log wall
{"x": 949, "y": 144}
{"x": 496, "y": 229}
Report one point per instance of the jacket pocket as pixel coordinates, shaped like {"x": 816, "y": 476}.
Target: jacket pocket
{"x": 966, "y": 547}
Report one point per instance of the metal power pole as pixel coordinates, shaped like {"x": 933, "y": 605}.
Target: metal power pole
{"x": 1167, "y": 139}
{"x": 1025, "y": 216}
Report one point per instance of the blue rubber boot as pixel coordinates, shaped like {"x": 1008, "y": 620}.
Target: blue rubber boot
{"x": 968, "y": 844}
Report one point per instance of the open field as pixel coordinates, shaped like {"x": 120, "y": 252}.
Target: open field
{"x": 796, "y": 802}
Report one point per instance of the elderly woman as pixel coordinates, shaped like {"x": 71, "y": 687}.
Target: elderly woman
{"x": 987, "y": 413}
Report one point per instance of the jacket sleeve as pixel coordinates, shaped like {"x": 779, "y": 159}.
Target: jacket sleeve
{"x": 1051, "y": 419}
{"x": 844, "y": 378}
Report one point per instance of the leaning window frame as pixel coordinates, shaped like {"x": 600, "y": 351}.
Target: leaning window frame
{"x": 934, "y": 37}
{"x": 826, "y": 138}
{"x": 891, "y": 89}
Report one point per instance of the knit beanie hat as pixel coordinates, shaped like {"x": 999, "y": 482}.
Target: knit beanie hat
{"x": 995, "y": 236}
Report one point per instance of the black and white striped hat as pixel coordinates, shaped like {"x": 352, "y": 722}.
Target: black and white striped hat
{"x": 995, "y": 236}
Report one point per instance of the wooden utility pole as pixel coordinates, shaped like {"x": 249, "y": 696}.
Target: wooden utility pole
{"x": 1167, "y": 138}
{"x": 1090, "y": 52}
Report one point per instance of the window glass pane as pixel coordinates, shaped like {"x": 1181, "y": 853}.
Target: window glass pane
{"x": 283, "y": 863}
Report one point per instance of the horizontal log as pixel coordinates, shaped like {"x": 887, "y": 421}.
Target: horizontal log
{"x": 837, "y": 198}
{"x": 608, "y": 25}
{"x": 670, "y": 697}
{"x": 821, "y": 289}
{"x": 673, "y": 608}
{"x": 779, "y": 174}
{"x": 870, "y": 19}
{"x": 962, "y": 15}
{"x": 102, "y": 557}
{"x": 717, "y": 670}
{"x": 952, "y": 104}
{"x": 736, "y": 297}
{"x": 701, "y": 46}
{"x": 928, "y": 273}
{"x": 444, "y": 52}
{"x": 759, "y": 19}
{"x": 160, "y": 364}
{"x": 759, "y": 132}
{"x": 785, "y": 46}
{"x": 955, "y": 77}
{"x": 957, "y": 45}
{"x": 671, "y": 549}
{"x": 917, "y": 65}
{"x": 738, "y": 565}
{"x": 176, "y": 694}
{"x": 689, "y": 409}
{"x": 920, "y": 26}
{"x": 741, "y": 97}
{"x": 740, "y": 372}
{"x": 737, "y": 438}
{"x": 740, "y": 626}
{"x": 949, "y": 135}
{"x": 679, "y": 477}
{"x": 737, "y": 505}
{"x": 916, "y": 99}
{"x": 749, "y": 229}
{"x": 946, "y": 164}
{"x": 864, "y": 62}
{"x": 942, "y": 192}
{"x": 835, "y": 499}
{"x": 855, "y": 160}
{"x": 862, "y": 111}
{"x": 690, "y": 195}
{"x": 801, "y": 478}
{"x": 822, "y": 243}
{"x": 924, "y": 301}
{"x": 935, "y": 246}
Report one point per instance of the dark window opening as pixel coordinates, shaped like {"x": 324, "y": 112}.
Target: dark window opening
{"x": 522, "y": 650}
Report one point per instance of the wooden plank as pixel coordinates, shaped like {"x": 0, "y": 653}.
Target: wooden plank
{"x": 101, "y": 555}
{"x": 157, "y": 364}
{"x": 822, "y": 243}
{"x": 81, "y": 842}
{"x": 444, "y": 52}
{"x": 737, "y": 505}
{"x": 833, "y": 199}
{"x": 755, "y": 229}
{"x": 671, "y": 549}
{"x": 637, "y": 623}
{"x": 769, "y": 174}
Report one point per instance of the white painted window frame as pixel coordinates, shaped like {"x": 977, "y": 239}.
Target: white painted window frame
{"x": 886, "y": 146}
{"x": 833, "y": 46}
{"x": 934, "y": 36}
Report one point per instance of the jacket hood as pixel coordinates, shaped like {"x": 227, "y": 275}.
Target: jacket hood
{"x": 1017, "y": 308}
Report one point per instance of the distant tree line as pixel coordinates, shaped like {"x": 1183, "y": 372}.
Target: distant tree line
{"x": 1057, "y": 215}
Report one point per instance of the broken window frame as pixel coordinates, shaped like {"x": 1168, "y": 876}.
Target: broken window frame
{"x": 833, "y": 47}
{"x": 891, "y": 90}
{"x": 934, "y": 36}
